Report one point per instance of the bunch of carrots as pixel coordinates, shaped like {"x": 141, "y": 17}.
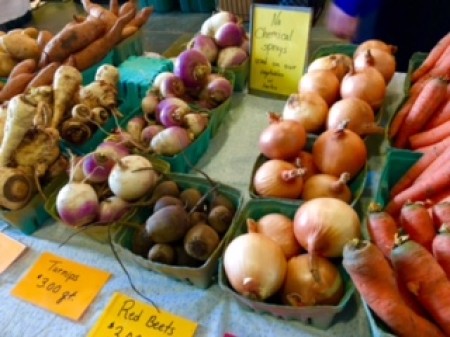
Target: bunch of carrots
{"x": 403, "y": 273}
{"x": 424, "y": 118}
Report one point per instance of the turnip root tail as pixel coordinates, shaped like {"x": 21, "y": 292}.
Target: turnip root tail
{"x": 19, "y": 119}
{"x": 66, "y": 83}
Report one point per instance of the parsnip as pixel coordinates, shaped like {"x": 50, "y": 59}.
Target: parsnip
{"x": 107, "y": 73}
{"x": 19, "y": 119}
{"x": 99, "y": 94}
{"x": 3, "y": 110}
{"x": 66, "y": 83}
{"x": 16, "y": 189}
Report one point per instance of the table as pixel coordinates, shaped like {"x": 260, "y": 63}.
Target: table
{"x": 229, "y": 159}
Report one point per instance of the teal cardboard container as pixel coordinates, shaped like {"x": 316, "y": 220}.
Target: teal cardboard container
{"x": 89, "y": 74}
{"x": 240, "y": 75}
{"x": 202, "y": 276}
{"x": 320, "y": 316}
{"x": 195, "y": 6}
{"x": 131, "y": 46}
{"x": 338, "y": 48}
{"x": 377, "y": 327}
{"x": 34, "y": 215}
{"x": 137, "y": 74}
{"x": 160, "y": 6}
{"x": 415, "y": 62}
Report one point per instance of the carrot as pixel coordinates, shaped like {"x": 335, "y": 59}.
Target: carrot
{"x": 417, "y": 168}
{"x": 440, "y": 213}
{"x": 375, "y": 281}
{"x": 441, "y": 116}
{"x": 27, "y": 66}
{"x": 439, "y": 163}
{"x": 430, "y": 136}
{"x": 417, "y": 87}
{"x": 431, "y": 59}
{"x": 44, "y": 76}
{"x": 441, "y": 248}
{"x": 400, "y": 117}
{"x": 442, "y": 67}
{"x": 19, "y": 119}
{"x": 428, "y": 100}
{"x": 66, "y": 83}
{"x": 382, "y": 228}
{"x": 425, "y": 278}
{"x": 15, "y": 86}
{"x": 417, "y": 223}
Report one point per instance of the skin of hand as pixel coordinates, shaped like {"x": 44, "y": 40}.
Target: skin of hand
{"x": 340, "y": 23}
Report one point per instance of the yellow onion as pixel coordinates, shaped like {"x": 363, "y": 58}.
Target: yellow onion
{"x": 255, "y": 266}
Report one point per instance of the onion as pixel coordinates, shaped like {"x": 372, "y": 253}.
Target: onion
{"x": 323, "y": 226}
{"x": 326, "y": 185}
{"x": 97, "y": 166}
{"x": 230, "y": 34}
{"x": 382, "y": 61}
{"x": 339, "y": 150}
{"x": 171, "y": 86}
{"x": 339, "y": 64}
{"x": 112, "y": 209}
{"x": 308, "y": 108}
{"x": 195, "y": 123}
{"x": 375, "y": 44}
{"x": 323, "y": 82}
{"x": 217, "y": 90}
{"x": 192, "y": 67}
{"x": 358, "y": 113}
{"x": 367, "y": 84}
{"x": 132, "y": 177}
{"x": 301, "y": 288}
{"x": 230, "y": 57}
{"x": 255, "y": 266}
{"x": 279, "y": 228}
{"x": 148, "y": 106}
{"x": 170, "y": 111}
{"x": 206, "y": 45}
{"x": 149, "y": 132}
{"x": 210, "y": 25}
{"x": 278, "y": 178}
{"x": 282, "y": 139}
{"x": 305, "y": 160}
{"x": 77, "y": 204}
{"x": 170, "y": 141}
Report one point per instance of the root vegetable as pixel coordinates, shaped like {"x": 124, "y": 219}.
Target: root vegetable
{"x": 201, "y": 241}
{"x": 20, "y": 46}
{"x": 15, "y": 86}
{"x": 16, "y": 188}
{"x": 75, "y": 131}
{"x": 27, "y": 66}
{"x": 168, "y": 224}
{"x": 162, "y": 253}
{"x": 107, "y": 73}
{"x": 141, "y": 17}
{"x": 99, "y": 94}
{"x": 7, "y": 63}
{"x": 44, "y": 76}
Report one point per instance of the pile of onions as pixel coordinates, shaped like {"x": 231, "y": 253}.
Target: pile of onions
{"x": 326, "y": 185}
{"x": 383, "y": 61}
{"x": 301, "y": 288}
{"x": 282, "y": 139}
{"x": 323, "y": 82}
{"x": 323, "y": 226}
{"x": 358, "y": 113}
{"x": 305, "y": 160}
{"x": 255, "y": 266}
{"x": 375, "y": 44}
{"x": 338, "y": 63}
{"x": 339, "y": 150}
{"x": 308, "y": 108}
{"x": 279, "y": 228}
{"x": 367, "y": 84}
{"x": 278, "y": 178}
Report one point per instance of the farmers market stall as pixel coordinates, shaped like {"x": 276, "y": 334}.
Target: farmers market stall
{"x": 229, "y": 159}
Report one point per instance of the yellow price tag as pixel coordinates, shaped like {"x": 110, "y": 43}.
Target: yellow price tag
{"x": 127, "y": 317}
{"x": 10, "y": 250}
{"x": 279, "y": 45}
{"x": 62, "y": 286}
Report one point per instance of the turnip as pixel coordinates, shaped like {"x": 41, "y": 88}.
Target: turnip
{"x": 132, "y": 177}
{"x": 112, "y": 209}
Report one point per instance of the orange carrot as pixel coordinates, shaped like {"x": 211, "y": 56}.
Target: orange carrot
{"x": 439, "y": 163}
{"x": 400, "y": 117}
{"x": 441, "y": 116}
{"x": 432, "y": 57}
{"x": 417, "y": 87}
{"x": 382, "y": 228}
{"x": 441, "y": 248}
{"x": 442, "y": 67}
{"x": 440, "y": 213}
{"x": 417, "y": 223}
{"x": 428, "y": 100}
{"x": 425, "y": 278}
{"x": 375, "y": 281}
{"x": 417, "y": 168}
{"x": 430, "y": 136}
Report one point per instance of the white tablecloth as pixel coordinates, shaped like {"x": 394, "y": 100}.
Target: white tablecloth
{"x": 229, "y": 159}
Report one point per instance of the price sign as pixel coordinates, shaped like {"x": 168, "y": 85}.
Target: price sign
{"x": 279, "y": 44}
{"x": 60, "y": 285}
{"x": 10, "y": 250}
{"x": 127, "y": 317}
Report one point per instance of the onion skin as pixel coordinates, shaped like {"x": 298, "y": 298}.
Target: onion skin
{"x": 192, "y": 67}
{"x": 326, "y": 185}
{"x": 282, "y": 139}
{"x": 323, "y": 226}
{"x": 383, "y": 61}
{"x": 300, "y": 287}
{"x": 339, "y": 64}
{"x": 305, "y": 160}
{"x": 375, "y": 44}
{"x": 255, "y": 266}
{"x": 323, "y": 82}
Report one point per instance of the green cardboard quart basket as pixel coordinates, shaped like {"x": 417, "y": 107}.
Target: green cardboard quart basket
{"x": 414, "y": 62}
{"x": 318, "y": 316}
{"x": 34, "y": 215}
{"x": 195, "y": 6}
{"x": 131, "y": 46}
{"x": 202, "y": 276}
{"x": 160, "y": 6}
{"x": 240, "y": 75}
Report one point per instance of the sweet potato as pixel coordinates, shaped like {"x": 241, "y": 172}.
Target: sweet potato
{"x": 99, "y": 12}
{"x": 71, "y": 39}
{"x": 21, "y": 46}
{"x": 15, "y": 86}
{"x": 44, "y": 76}
{"x": 27, "y": 66}
{"x": 32, "y": 32}
{"x": 43, "y": 38}
{"x": 142, "y": 17}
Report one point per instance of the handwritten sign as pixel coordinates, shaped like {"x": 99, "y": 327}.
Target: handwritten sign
{"x": 127, "y": 317}
{"x": 60, "y": 285}
{"x": 279, "y": 43}
{"x": 10, "y": 250}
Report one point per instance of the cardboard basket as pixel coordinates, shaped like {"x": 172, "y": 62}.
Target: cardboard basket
{"x": 160, "y": 6}
{"x": 131, "y": 46}
{"x": 320, "y": 316}
{"x": 414, "y": 62}
{"x": 195, "y": 6}
{"x": 201, "y": 276}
